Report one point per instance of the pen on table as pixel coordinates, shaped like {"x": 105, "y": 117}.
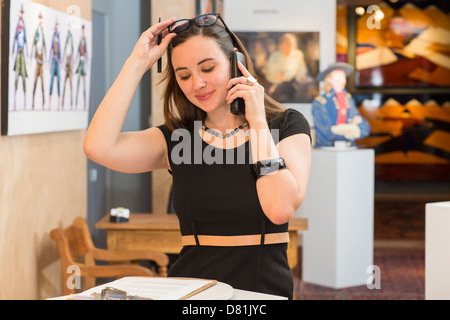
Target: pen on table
{"x": 159, "y": 42}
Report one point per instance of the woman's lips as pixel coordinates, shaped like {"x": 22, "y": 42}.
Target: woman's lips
{"x": 204, "y": 96}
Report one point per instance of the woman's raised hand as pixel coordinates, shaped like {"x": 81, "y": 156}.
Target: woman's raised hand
{"x": 251, "y": 92}
{"x": 147, "y": 51}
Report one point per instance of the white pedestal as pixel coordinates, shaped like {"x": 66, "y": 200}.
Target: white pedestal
{"x": 437, "y": 251}
{"x": 338, "y": 245}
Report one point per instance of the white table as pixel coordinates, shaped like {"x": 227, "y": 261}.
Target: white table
{"x": 219, "y": 291}
{"x": 223, "y": 291}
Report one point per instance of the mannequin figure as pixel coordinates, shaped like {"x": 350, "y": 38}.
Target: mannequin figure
{"x": 336, "y": 117}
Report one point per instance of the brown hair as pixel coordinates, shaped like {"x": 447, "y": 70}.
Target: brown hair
{"x": 179, "y": 112}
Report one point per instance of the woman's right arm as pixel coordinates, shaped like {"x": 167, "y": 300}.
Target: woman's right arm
{"x": 130, "y": 152}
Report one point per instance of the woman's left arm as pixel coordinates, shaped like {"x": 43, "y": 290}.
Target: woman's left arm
{"x": 281, "y": 194}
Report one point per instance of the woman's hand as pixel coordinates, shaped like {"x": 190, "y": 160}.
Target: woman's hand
{"x": 147, "y": 51}
{"x": 252, "y": 93}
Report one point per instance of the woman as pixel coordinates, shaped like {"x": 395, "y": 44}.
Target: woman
{"x": 233, "y": 216}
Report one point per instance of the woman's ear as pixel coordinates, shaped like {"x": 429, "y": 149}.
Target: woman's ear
{"x": 236, "y": 50}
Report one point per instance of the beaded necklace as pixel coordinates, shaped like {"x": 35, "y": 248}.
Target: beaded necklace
{"x": 228, "y": 134}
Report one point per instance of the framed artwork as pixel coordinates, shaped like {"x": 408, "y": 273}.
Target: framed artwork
{"x": 342, "y": 33}
{"x": 46, "y": 63}
{"x": 410, "y": 135}
{"x": 401, "y": 54}
{"x": 402, "y": 45}
{"x": 286, "y": 63}
{"x": 307, "y": 35}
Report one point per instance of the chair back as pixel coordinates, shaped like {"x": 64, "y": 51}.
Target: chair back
{"x": 74, "y": 242}
{"x": 74, "y": 247}
{"x": 77, "y": 253}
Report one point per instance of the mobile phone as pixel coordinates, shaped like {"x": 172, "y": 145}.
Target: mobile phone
{"x": 238, "y": 105}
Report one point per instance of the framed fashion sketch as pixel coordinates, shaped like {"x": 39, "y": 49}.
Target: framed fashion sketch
{"x": 46, "y": 63}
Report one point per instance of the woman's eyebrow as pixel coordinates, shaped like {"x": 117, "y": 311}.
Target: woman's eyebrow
{"x": 199, "y": 63}
{"x": 205, "y": 60}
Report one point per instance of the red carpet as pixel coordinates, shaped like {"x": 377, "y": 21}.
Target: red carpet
{"x": 402, "y": 278}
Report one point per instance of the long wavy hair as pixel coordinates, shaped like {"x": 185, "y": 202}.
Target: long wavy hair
{"x": 179, "y": 112}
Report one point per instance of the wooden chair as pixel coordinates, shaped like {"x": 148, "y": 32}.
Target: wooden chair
{"x": 75, "y": 245}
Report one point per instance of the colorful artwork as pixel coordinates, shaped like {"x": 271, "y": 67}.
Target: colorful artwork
{"x": 286, "y": 63}
{"x": 403, "y": 46}
{"x": 42, "y": 65}
{"x": 341, "y": 33}
{"x": 406, "y": 130}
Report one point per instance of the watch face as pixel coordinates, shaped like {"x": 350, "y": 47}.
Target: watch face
{"x": 264, "y": 171}
{"x": 266, "y": 167}
{"x": 265, "y": 163}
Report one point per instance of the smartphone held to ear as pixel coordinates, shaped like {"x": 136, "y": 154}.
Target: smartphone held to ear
{"x": 238, "y": 105}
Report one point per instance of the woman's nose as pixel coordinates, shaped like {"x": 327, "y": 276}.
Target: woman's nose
{"x": 199, "y": 82}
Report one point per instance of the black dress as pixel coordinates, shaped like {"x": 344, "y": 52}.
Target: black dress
{"x": 220, "y": 198}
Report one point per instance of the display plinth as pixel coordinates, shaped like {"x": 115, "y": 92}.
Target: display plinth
{"x": 339, "y": 205}
{"x": 437, "y": 251}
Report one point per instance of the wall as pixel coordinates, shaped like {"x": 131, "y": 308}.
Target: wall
{"x": 117, "y": 27}
{"x": 162, "y": 180}
{"x": 124, "y": 29}
{"x": 42, "y": 186}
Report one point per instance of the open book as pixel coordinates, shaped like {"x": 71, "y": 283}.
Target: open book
{"x": 152, "y": 288}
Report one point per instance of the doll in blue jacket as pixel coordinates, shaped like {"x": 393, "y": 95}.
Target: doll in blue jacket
{"x": 335, "y": 115}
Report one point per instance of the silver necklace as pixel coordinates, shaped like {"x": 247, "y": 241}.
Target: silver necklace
{"x": 228, "y": 134}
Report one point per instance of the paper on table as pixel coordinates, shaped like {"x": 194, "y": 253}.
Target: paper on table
{"x": 155, "y": 288}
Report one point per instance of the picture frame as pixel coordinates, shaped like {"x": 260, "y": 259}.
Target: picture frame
{"x": 410, "y": 121}
{"x": 410, "y": 135}
{"x": 45, "y": 72}
{"x": 286, "y": 63}
{"x": 399, "y": 47}
{"x": 275, "y": 18}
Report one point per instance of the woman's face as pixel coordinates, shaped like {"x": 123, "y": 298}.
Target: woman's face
{"x": 202, "y": 71}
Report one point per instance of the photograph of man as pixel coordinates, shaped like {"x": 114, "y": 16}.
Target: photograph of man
{"x": 286, "y": 63}
{"x": 286, "y": 68}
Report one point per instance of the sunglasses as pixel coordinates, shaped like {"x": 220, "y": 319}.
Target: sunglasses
{"x": 205, "y": 20}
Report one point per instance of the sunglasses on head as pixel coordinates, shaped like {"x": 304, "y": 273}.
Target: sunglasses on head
{"x": 205, "y": 20}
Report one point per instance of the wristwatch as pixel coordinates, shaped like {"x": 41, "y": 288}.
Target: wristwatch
{"x": 265, "y": 167}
